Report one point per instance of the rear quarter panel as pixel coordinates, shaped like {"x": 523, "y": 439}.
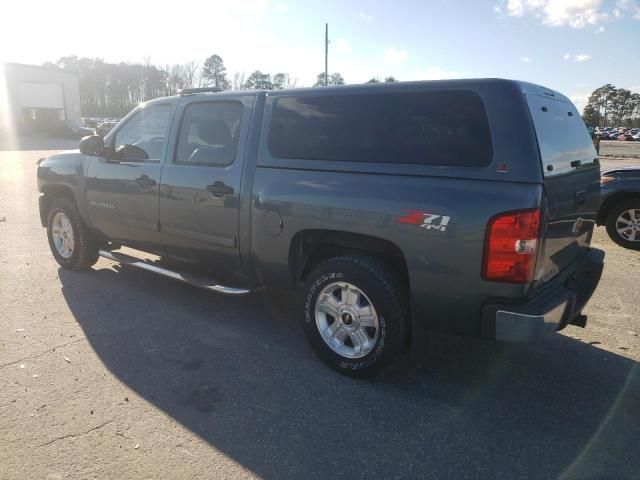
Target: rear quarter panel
{"x": 444, "y": 266}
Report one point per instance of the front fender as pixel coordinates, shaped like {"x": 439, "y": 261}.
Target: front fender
{"x": 63, "y": 174}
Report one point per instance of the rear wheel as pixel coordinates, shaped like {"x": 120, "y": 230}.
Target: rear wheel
{"x": 623, "y": 224}
{"x": 71, "y": 241}
{"x": 356, "y": 315}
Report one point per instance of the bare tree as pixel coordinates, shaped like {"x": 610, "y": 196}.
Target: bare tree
{"x": 191, "y": 73}
{"x": 238, "y": 81}
{"x": 290, "y": 82}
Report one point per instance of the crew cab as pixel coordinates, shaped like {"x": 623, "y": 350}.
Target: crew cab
{"x": 389, "y": 210}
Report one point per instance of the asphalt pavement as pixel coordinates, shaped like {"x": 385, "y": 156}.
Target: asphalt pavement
{"x": 118, "y": 373}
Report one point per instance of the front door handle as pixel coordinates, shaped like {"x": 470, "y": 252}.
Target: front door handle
{"x": 144, "y": 181}
{"x": 219, "y": 189}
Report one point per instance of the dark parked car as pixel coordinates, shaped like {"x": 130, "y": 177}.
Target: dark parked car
{"x": 90, "y": 122}
{"x": 388, "y": 211}
{"x": 105, "y": 127}
{"x": 69, "y": 129}
{"x": 620, "y": 207}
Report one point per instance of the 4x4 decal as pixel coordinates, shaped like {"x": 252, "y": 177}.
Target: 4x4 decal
{"x": 425, "y": 219}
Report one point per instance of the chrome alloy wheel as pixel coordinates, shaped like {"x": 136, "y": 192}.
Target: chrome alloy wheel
{"x": 346, "y": 320}
{"x": 62, "y": 234}
{"x": 628, "y": 225}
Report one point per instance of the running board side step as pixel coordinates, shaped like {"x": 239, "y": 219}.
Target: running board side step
{"x": 195, "y": 280}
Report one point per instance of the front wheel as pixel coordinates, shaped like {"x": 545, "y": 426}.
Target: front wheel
{"x": 356, "y": 315}
{"x": 71, "y": 242}
{"x": 623, "y": 224}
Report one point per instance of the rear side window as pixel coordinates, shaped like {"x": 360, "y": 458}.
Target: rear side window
{"x": 429, "y": 128}
{"x": 563, "y": 137}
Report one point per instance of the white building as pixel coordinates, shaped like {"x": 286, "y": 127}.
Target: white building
{"x": 35, "y": 96}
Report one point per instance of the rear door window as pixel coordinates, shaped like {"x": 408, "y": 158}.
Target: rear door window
{"x": 428, "y": 128}
{"x": 209, "y": 133}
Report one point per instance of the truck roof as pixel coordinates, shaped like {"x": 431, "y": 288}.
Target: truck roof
{"x": 497, "y": 83}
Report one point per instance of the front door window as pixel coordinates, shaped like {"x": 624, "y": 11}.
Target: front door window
{"x": 144, "y": 136}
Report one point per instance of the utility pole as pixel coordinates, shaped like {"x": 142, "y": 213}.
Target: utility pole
{"x": 326, "y": 54}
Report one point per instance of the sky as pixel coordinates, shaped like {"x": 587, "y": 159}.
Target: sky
{"x": 572, "y": 46}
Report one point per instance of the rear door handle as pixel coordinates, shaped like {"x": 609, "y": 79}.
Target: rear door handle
{"x": 581, "y": 196}
{"x": 144, "y": 181}
{"x": 219, "y": 189}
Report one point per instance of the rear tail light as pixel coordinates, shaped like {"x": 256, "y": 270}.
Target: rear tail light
{"x": 511, "y": 247}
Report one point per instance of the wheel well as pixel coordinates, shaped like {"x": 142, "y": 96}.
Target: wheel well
{"x": 50, "y": 193}
{"x": 311, "y": 247}
{"x": 612, "y": 201}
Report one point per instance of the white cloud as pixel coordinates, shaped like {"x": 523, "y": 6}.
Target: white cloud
{"x": 515, "y": 8}
{"x": 583, "y": 57}
{"x": 342, "y": 46}
{"x": 281, "y": 7}
{"x": 600, "y": 29}
{"x": 525, "y": 59}
{"x": 365, "y": 16}
{"x": 581, "y": 85}
{"x": 629, "y": 5}
{"x": 580, "y": 100}
{"x": 433, "y": 73}
{"x": 394, "y": 55}
{"x": 556, "y": 13}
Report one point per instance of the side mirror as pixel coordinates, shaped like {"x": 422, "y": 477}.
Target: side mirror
{"x": 92, "y": 145}
{"x": 131, "y": 153}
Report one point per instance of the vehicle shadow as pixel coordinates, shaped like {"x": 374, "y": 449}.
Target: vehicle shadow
{"x": 243, "y": 378}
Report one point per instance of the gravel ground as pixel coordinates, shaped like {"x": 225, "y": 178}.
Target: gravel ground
{"x": 117, "y": 373}
{"x": 615, "y": 148}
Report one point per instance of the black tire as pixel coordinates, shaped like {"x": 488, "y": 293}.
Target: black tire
{"x": 85, "y": 250}
{"x": 386, "y": 292}
{"x": 612, "y": 216}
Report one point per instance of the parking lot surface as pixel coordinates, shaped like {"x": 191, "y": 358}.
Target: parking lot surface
{"x": 117, "y": 373}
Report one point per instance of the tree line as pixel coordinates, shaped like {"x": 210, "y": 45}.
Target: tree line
{"x": 113, "y": 89}
{"x": 611, "y": 106}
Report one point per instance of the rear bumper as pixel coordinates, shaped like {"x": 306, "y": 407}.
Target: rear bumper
{"x": 552, "y": 306}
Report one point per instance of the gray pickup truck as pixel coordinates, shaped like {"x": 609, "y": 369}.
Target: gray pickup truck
{"x": 387, "y": 211}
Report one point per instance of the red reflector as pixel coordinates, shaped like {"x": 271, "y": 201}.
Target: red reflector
{"x": 511, "y": 247}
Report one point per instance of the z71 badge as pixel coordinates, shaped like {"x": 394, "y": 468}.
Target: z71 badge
{"x": 426, "y": 220}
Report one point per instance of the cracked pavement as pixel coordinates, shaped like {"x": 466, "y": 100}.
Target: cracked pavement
{"x": 117, "y": 373}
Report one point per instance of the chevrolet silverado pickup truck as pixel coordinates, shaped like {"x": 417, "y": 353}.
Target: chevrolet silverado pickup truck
{"x": 390, "y": 211}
